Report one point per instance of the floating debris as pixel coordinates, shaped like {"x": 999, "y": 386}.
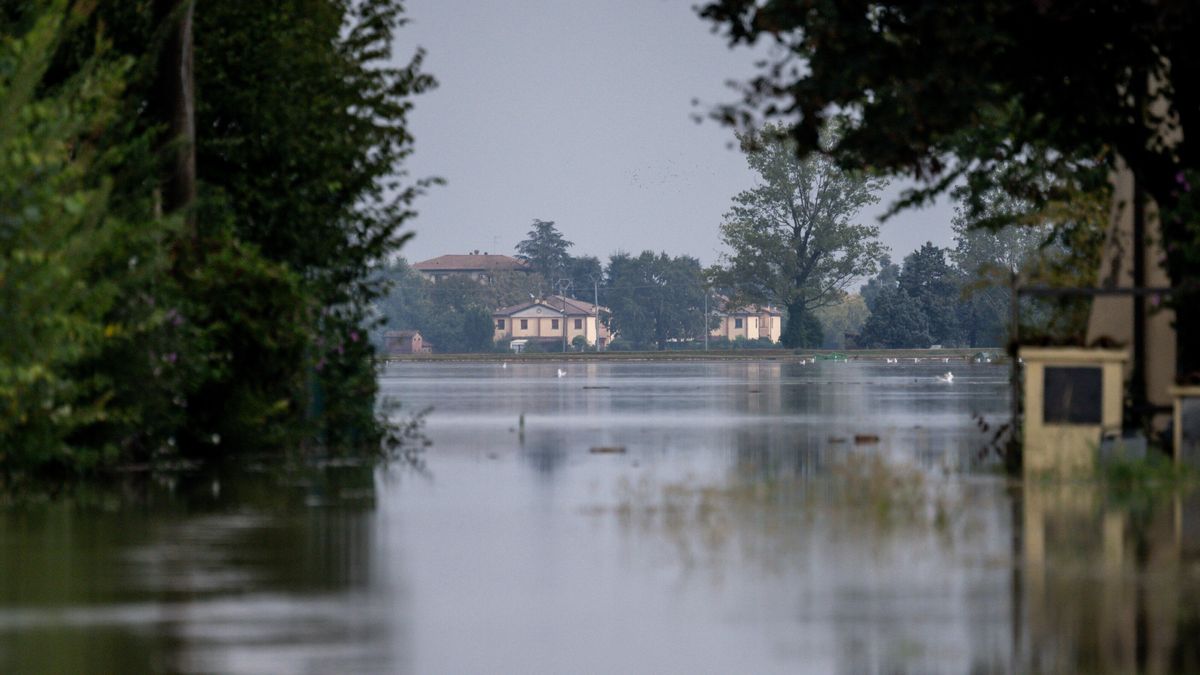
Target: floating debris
{"x": 836, "y": 439}
{"x": 607, "y": 450}
{"x": 862, "y": 439}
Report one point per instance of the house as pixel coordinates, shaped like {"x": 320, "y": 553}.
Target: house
{"x": 406, "y": 342}
{"x": 751, "y": 322}
{"x": 548, "y": 319}
{"x": 475, "y": 265}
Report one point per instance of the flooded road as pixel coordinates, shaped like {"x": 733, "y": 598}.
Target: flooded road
{"x": 644, "y": 517}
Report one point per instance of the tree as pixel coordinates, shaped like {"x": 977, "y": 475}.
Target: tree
{"x": 655, "y": 299}
{"x": 988, "y": 259}
{"x": 846, "y": 317}
{"x": 995, "y": 94}
{"x": 928, "y": 280}
{"x": 59, "y": 293}
{"x": 237, "y": 322}
{"x": 585, "y": 273}
{"x": 898, "y": 322}
{"x": 793, "y": 238}
{"x": 477, "y": 329}
{"x": 888, "y": 277}
{"x": 454, "y": 314}
{"x": 545, "y": 249}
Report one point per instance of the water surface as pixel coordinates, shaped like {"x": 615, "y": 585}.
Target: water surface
{"x": 761, "y": 517}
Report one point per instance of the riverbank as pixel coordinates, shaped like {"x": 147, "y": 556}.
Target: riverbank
{"x": 907, "y": 355}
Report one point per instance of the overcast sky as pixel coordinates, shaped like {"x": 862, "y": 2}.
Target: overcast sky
{"x": 580, "y": 112}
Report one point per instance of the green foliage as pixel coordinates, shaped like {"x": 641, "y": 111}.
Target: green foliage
{"x": 802, "y": 330}
{"x": 996, "y": 96}
{"x": 988, "y": 259}
{"x": 64, "y": 257}
{"x": 545, "y": 249}
{"x": 888, "y": 277}
{"x": 897, "y": 322}
{"x": 846, "y": 317}
{"x": 929, "y": 280}
{"x": 586, "y": 275}
{"x": 655, "y": 298}
{"x": 454, "y": 314}
{"x": 129, "y": 342}
{"x": 477, "y": 329}
{"x": 989, "y": 93}
{"x": 793, "y": 238}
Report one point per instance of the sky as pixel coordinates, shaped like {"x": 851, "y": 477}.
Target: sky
{"x": 581, "y": 112}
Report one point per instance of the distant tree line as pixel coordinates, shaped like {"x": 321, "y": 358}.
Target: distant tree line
{"x": 795, "y": 244}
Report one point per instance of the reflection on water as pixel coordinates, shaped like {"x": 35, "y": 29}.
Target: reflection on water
{"x": 764, "y": 517}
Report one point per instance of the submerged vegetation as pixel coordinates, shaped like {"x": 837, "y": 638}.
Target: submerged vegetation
{"x": 186, "y": 252}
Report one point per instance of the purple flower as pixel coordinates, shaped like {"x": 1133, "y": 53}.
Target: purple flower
{"x": 1181, "y": 179}
{"x": 354, "y": 336}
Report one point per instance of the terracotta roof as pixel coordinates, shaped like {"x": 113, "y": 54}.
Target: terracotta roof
{"x": 401, "y": 333}
{"x": 555, "y": 302}
{"x": 747, "y": 309}
{"x": 482, "y": 262}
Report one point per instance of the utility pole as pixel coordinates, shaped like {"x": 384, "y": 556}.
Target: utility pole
{"x": 706, "y": 319}
{"x": 596, "y": 307}
{"x": 563, "y": 285}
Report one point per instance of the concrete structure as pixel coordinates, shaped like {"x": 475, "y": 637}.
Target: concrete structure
{"x": 548, "y": 319}
{"x": 406, "y": 342}
{"x": 475, "y": 265}
{"x": 1185, "y": 441}
{"x": 751, "y": 322}
{"x": 1112, "y": 317}
{"x": 1073, "y": 398}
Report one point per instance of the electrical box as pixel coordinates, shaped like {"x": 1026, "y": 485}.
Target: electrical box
{"x": 1073, "y": 399}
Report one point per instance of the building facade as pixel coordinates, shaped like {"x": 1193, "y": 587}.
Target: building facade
{"x": 405, "y": 342}
{"x": 751, "y": 322}
{"x": 549, "y": 319}
{"x": 474, "y": 265}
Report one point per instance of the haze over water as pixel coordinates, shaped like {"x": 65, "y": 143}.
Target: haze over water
{"x": 749, "y": 516}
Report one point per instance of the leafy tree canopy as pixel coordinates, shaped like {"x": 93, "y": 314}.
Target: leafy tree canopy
{"x": 235, "y": 323}
{"x": 898, "y": 322}
{"x": 655, "y": 298}
{"x": 1037, "y": 99}
{"x": 545, "y": 249}
{"x": 933, "y": 284}
{"x": 888, "y": 277}
{"x": 794, "y": 238}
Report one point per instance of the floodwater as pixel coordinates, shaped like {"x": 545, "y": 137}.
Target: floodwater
{"x": 645, "y": 517}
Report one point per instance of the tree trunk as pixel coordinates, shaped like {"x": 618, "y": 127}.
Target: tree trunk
{"x": 173, "y": 101}
{"x": 793, "y": 333}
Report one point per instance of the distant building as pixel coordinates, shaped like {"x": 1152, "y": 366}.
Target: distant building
{"x": 751, "y": 322}
{"x": 406, "y": 342}
{"x": 475, "y": 265}
{"x": 549, "y": 318}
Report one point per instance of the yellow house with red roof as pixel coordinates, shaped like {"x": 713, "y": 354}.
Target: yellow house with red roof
{"x": 549, "y": 319}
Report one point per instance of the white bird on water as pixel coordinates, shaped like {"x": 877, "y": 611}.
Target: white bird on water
{"x": 947, "y": 377}
{"x": 562, "y": 373}
{"x": 504, "y": 365}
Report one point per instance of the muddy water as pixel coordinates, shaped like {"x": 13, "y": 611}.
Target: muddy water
{"x": 742, "y": 517}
